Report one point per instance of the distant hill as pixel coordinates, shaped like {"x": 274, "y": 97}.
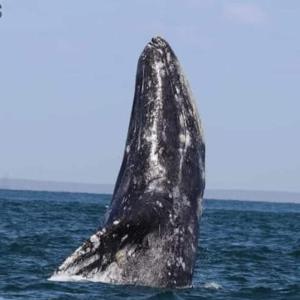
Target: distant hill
{"x": 55, "y": 186}
{"x": 252, "y": 195}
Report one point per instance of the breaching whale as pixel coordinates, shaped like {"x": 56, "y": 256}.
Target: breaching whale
{"x": 150, "y": 233}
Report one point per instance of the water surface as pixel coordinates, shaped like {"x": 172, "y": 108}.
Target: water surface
{"x": 247, "y": 250}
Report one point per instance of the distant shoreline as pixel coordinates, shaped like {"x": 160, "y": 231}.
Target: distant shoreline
{"x": 218, "y": 194}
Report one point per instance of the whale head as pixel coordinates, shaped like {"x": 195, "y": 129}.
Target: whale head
{"x": 165, "y": 143}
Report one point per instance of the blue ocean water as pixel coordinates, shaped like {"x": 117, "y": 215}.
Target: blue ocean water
{"x": 247, "y": 250}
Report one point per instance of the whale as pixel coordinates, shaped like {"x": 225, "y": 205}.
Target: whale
{"x": 150, "y": 232}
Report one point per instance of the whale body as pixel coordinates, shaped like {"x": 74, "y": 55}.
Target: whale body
{"x": 150, "y": 233}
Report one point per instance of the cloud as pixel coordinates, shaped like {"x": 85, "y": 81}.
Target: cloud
{"x": 247, "y": 13}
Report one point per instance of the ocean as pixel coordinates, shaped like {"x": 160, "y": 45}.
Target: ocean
{"x": 246, "y": 250}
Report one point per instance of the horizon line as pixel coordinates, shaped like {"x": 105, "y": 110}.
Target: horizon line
{"x": 53, "y": 181}
{"x": 107, "y": 188}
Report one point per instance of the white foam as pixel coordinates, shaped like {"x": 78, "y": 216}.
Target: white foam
{"x": 212, "y": 285}
{"x": 66, "y": 277}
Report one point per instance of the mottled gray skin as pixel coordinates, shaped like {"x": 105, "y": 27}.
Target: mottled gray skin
{"x": 150, "y": 234}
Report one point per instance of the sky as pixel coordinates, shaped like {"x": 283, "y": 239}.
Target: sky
{"x": 67, "y": 75}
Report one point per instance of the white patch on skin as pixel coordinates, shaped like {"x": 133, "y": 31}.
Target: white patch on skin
{"x": 171, "y": 219}
{"x": 181, "y": 121}
{"x": 160, "y": 51}
{"x": 124, "y": 238}
{"x": 155, "y": 186}
{"x": 69, "y": 260}
{"x": 181, "y": 262}
{"x": 67, "y": 266}
{"x": 127, "y": 149}
{"x": 94, "y": 239}
{"x": 142, "y": 89}
{"x": 116, "y": 222}
{"x": 120, "y": 257}
{"x": 159, "y": 204}
{"x": 168, "y": 56}
{"x": 188, "y": 139}
{"x": 164, "y": 137}
{"x": 185, "y": 201}
{"x": 152, "y": 135}
{"x": 89, "y": 261}
{"x": 131, "y": 252}
{"x": 112, "y": 274}
{"x": 181, "y": 138}
{"x": 176, "y": 192}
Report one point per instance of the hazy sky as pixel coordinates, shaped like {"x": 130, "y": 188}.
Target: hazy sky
{"x": 67, "y": 71}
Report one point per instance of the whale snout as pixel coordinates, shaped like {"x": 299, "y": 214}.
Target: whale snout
{"x": 157, "y": 50}
{"x": 158, "y": 42}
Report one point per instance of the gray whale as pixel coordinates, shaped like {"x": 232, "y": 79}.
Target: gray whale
{"x": 150, "y": 233}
